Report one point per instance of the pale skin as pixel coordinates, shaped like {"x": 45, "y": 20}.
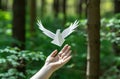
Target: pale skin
{"x": 53, "y": 62}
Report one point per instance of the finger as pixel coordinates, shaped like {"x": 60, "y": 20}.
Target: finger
{"x": 62, "y": 62}
{"x": 66, "y": 51}
{"x": 64, "y": 48}
{"x": 67, "y": 55}
{"x": 53, "y": 54}
{"x": 67, "y": 59}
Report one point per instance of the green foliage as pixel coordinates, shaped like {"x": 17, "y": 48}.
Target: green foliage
{"x": 76, "y": 68}
{"x": 5, "y": 29}
{"x": 77, "y": 40}
{"x": 110, "y": 34}
{"x": 110, "y": 29}
{"x": 5, "y": 18}
{"x": 9, "y": 58}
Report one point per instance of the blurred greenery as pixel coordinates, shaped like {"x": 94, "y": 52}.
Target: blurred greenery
{"x": 9, "y": 58}
{"x": 38, "y": 47}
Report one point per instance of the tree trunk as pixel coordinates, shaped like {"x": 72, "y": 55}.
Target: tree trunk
{"x": 117, "y": 6}
{"x": 93, "y": 54}
{"x": 0, "y": 4}
{"x": 19, "y": 22}
{"x": 56, "y": 7}
{"x": 5, "y": 4}
{"x": 82, "y": 12}
{"x": 19, "y": 29}
{"x": 64, "y": 2}
{"x": 85, "y": 8}
{"x": 43, "y": 7}
{"x": 79, "y": 7}
{"x": 32, "y": 16}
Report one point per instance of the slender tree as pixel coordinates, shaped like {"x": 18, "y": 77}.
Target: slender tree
{"x": 117, "y": 6}
{"x": 32, "y": 16}
{"x": 64, "y": 3}
{"x": 18, "y": 29}
{"x": 56, "y": 8}
{"x": 5, "y": 4}
{"x": 81, "y": 11}
{"x": 79, "y": 7}
{"x": 19, "y": 22}
{"x": 93, "y": 54}
{"x": 0, "y": 4}
{"x": 85, "y": 1}
{"x": 43, "y": 7}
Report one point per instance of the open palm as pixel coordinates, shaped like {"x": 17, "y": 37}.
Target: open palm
{"x": 58, "y": 60}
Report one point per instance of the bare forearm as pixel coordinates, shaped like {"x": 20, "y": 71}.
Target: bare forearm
{"x": 44, "y": 73}
{"x": 53, "y": 62}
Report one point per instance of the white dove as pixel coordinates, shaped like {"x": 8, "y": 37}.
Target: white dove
{"x": 58, "y": 38}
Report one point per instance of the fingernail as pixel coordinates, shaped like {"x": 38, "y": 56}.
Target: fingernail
{"x": 66, "y": 45}
{"x": 69, "y": 47}
{"x": 55, "y": 50}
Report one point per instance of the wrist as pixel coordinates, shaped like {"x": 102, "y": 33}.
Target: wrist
{"x": 48, "y": 68}
{"x": 44, "y": 73}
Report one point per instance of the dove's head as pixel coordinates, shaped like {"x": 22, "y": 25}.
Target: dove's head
{"x": 58, "y": 31}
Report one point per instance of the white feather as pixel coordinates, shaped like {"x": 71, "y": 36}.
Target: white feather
{"x": 70, "y": 29}
{"x": 58, "y": 38}
{"x": 45, "y": 31}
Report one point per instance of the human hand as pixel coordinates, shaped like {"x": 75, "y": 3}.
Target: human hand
{"x": 53, "y": 62}
{"x": 56, "y": 61}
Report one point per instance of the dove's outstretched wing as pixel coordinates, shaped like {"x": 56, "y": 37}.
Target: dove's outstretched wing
{"x": 70, "y": 29}
{"x": 45, "y": 31}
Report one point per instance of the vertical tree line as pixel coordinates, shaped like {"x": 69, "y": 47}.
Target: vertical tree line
{"x": 56, "y": 7}
{"x": 3, "y": 4}
{"x": 79, "y": 7}
{"x": 43, "y": 7}
{"x": 19, "y": 22}
{"x": 117, "y": 6}
{"x": 93, "y": 28}
{"x": 32, "y": 16}
{"x": 18, "y": 29}
{"x": 60, "y": 6}
{"x": 81, "y": 10}
{"x": 93, "y": 54}
{"x": 0, "y": 4}
{"x": 64, "y": 6}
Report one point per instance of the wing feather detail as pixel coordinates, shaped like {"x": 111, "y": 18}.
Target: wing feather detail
{"x": 45, "y": 31}
{"x": 70, "y": 29}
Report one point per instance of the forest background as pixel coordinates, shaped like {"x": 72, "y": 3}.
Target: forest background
{"x": 95, "y": 43}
